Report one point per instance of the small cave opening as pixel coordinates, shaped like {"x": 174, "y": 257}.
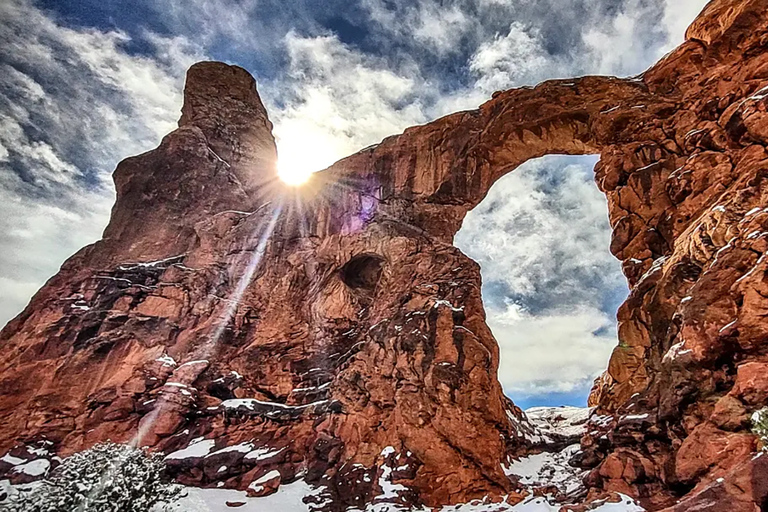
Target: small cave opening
{"x": 362, "y": 272}
{"x": 550, "y": 286}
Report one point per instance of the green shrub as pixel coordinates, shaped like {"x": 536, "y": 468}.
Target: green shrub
{"x": 107, "y": 478}
{"x": 760, "y": 426}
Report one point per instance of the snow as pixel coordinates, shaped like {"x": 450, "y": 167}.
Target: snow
{"x": 288, "y": 498}
{"x": 625, "y": 505}
{"x": 183, "y": 388}
{"x": 675, "y": 351}
{"x": 257, "y": 485}
{"x": 201, "y": 448}
{"x": 263, "y": 453}
{"x": 443, "y": 302}
{"x": 313, "y": 388}
{"x": 389, "y": 490}
{"x": 267, "y": 477}
{"x": 10, "y": 459}
{"x": 37, "y": 467}
{"x": 655, "y": 267}
{"x": 166, "y": 360}
{"x": 249, "y": 403}
{"x": 191, "y": 363}
{"x": 242, "y": 448}
{"x": 198, "y": 448}
{"x": 538, "y": 470}
{"x": 564, "y": 421}
{"x": 544, "y": 469}
{"x": 150, "y": 264}
{"x": 217, "y": 157}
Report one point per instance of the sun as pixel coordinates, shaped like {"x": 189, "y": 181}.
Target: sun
{"x": 293, "y": 173}
{"x": 301, "y": 153}
{"x": 293, "y": 176}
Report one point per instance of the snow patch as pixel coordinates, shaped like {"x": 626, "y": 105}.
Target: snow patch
{"x": 197, "y": 449}
{"x": 560, "y": 421}
{"x": 37, "y": 467}
{"x": 13, "y": 461}
{"x": 263, "y": 453}
{"x": 166, "y": 360}
{"x": 675, "y": 351}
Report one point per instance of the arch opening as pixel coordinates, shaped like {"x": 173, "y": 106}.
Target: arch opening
{"x": 551, "y": 287}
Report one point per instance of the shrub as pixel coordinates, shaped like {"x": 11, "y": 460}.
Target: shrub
{"x": 760, "y": 426}
{"x": 107, "y": 478}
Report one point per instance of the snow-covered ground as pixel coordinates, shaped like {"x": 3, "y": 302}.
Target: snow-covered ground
{"x": 288, "y": 498}
{"x": 560, "y": 422}
{"x": 545, "y": 469}
{"x": 549, "y": 469}
{"x": 553, "y": 425}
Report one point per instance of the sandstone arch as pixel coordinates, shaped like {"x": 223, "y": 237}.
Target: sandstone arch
{"x": 333, "y": 382}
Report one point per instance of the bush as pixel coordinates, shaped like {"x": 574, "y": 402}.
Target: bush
{"x": 760, "y": 426}
{"x": 107, "y": 478}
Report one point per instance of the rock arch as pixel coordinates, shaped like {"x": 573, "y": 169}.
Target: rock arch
{"x": 342, "y": 389}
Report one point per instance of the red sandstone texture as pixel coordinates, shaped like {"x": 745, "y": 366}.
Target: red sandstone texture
{"x": 337, "y": 328}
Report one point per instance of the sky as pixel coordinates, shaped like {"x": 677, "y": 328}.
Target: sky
{"x": 86, "y": 83}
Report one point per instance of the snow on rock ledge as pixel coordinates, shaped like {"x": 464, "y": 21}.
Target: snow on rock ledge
{"x": 560, "y": 424}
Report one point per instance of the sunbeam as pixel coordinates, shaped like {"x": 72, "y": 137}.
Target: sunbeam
{"x": 203, "y": 353}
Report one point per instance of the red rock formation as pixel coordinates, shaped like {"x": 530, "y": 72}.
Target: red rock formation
{"x": 334, "y": 332}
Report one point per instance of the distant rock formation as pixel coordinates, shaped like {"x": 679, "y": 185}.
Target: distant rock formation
{"x": 260, "y": 334}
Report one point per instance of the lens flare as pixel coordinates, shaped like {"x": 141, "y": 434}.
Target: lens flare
{"x": 293, "y": 175}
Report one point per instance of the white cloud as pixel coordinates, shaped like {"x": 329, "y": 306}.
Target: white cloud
{"x": 36, "y": 238}
{"x": 541, "y": 237}
{"x": 678, "y": 14}
{"x": 339, "y": 101}
{"x": 436, "y": 27}
{"x": 617, "y": 47}
{"x": 638, "y": 35}
{"x": 74, "y": 102}
{"x": 543, "y": 230}
{"x": 552, "y": 352}
{"x": 515, "y": 59}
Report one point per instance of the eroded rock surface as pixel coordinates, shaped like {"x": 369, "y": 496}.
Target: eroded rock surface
{"x": 260, "y": 334}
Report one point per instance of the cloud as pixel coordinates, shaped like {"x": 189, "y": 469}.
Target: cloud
{"x": 73, "y": 103}
{"x": 336, "y": 101}
{"x": 677, "y": 16}
{"x": 550, "y": 285}
{"x": 437, "y": 27}
{"x": 557, "y": 352}
{"x": 517, "y": 58}
{"x": 543, "y": 231}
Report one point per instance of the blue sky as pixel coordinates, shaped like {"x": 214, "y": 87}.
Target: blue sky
{"x": 86, "y": 83}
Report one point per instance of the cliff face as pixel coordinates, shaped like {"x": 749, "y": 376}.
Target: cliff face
{"x": 335, "y": 332}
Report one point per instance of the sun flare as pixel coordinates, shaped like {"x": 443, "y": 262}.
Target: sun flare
{"x": 302, "y": 151}
{"x": 293, "y": 176}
